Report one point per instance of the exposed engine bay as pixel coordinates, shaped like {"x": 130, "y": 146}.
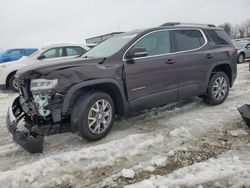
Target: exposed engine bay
{"x": 33, "y": 116}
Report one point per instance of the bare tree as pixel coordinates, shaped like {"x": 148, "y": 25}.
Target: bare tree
{"x": 242, "y": 30}
{"x": 237, "y": 31}
{"x": 227, "y": 27}
{"x": 247, "y": 28}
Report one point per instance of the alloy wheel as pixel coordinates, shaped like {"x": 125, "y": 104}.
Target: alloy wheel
{"x": 220, "y": 88}
{"x": 100, "y": 116}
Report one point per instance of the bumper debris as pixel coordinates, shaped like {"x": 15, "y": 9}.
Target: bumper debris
{"x": 31, "y": 143}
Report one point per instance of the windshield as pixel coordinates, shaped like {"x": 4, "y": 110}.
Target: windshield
{"x": 35, "y": 54}
{"x": 240, "y": 45}
{"x": 109, "y": 46}
{"x": 5, "y": 52}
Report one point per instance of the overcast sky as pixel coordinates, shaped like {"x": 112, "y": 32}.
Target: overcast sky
{"x": 31, "y": 23}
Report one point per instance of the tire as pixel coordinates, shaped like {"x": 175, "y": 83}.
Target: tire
{"x": 13, "y": 85}
{"x": 87, "y": 121}
{"x": 218, "y": 89}
{"x": 241, "y": 58}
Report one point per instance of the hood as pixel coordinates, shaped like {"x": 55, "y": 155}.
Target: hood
{"x": 42, "y": 69}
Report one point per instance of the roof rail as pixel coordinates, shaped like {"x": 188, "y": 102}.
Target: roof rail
{"x": 186, "y": 24}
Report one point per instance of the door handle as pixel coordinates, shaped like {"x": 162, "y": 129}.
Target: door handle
{"x": 170, "y": 61}
{"x": 209, "y": 56}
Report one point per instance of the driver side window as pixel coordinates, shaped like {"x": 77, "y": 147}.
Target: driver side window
{"x": 53, "y": 53}
{"x": 156, "y": 43}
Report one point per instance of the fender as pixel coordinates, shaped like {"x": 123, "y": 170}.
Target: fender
{"x": 69, "y": 95}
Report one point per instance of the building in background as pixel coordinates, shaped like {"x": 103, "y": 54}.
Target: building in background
{"x": 91, "y": 42}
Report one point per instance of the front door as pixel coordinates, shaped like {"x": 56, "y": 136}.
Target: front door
{"x": 151, "y": 80}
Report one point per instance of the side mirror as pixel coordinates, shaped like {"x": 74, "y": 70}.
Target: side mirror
{"x": 248, "y": 47}
{"x": 41, "y": 57}
{"x": 136, "y": 53}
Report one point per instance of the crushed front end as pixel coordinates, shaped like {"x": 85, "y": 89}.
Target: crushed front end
{"x": 34, "y": 114}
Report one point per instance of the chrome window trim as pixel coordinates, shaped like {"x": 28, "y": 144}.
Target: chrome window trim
{"x": 203, "y": 34}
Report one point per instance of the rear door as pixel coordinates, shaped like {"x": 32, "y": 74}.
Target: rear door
{"x": 151, "y": 80}
{"x": 193, "y": 59}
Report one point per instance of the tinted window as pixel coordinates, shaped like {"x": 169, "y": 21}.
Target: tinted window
{"x": 156, "y": 43}
{"x": 188, "y": 39}
{"x": 73, "y": 51}
{"x": 55, "y": 52}
{"x": 219, "y": 37}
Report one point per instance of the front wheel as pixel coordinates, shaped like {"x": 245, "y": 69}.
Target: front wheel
{"x": 13, "y": 84}
{"x": 93, "y": 116}
{"x": 218, "y": 89}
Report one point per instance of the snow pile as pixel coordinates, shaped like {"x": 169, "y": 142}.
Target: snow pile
{"x": 180, "y": 132}
{"x": 158, "y": 161}
{"x": 237, "y": 132}
{"x": 232, "y": 166}
{"x": 128, "y": 173}
{"x": 85, "y": 159}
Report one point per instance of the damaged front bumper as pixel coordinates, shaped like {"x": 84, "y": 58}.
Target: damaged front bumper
{"x": 31, "y": 143}
{"x": 245, "y": 113}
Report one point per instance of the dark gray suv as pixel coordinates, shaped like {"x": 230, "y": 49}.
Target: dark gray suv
{"x": 130, "y": 72}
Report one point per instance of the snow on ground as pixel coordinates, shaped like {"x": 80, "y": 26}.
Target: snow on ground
{"x": 179, "y": 145}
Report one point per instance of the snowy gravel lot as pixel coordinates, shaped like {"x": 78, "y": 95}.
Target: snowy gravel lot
{"x": 188, "y": 144}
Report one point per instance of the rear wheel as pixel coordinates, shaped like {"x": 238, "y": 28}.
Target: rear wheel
{"x": 218, "y": 89}
{"x": 241, "y": 58}
{"x": 13, "y": 84}
{"x": 93, "y": 116}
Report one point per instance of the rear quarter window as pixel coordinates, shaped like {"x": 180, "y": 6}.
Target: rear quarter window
{"x": 219, "y": 37}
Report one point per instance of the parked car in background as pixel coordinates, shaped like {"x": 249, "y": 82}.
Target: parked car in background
{"x": 45, "y": 54}
{"x": 126, "y": 73}
{"x": 15, "y": 54}
{"x": 243, "y": 49}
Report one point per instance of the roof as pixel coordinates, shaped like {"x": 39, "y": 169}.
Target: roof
{"x": 113, "y": 33}
{"x": 62, "y": 45}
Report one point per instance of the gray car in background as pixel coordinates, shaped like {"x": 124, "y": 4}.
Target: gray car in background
{"x": 243, "y": 49}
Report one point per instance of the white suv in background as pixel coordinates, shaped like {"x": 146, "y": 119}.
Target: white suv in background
{"x": 45, "y": 54}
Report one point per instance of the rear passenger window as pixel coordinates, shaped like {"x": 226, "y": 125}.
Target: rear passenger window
{"x": 219, "y": 37}
{"x": 156, "y": 43}
{"x": 189, "y": 39}
{"x": 53, "y": 53}
{"x": 73, "y": 51}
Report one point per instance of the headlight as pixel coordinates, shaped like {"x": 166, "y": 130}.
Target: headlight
{"x": 42, "y": 84}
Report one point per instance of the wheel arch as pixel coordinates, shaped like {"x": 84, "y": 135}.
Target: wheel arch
{"x": 242, "y": 53}
{"x": 224, "y": 67}
{"x": 8, "y": 77}
{"x": 107, "y": 85}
